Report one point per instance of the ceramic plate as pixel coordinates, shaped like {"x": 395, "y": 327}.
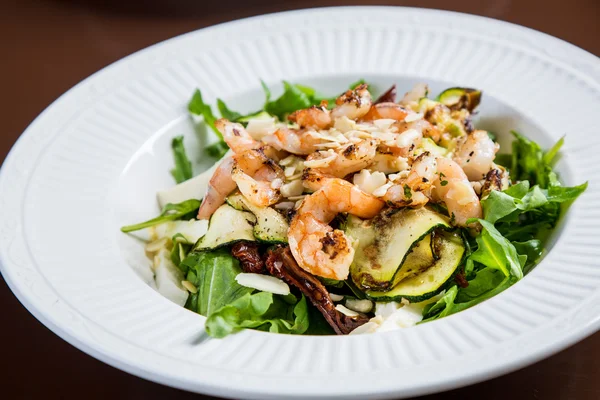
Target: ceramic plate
{"x": 95, "y": 158}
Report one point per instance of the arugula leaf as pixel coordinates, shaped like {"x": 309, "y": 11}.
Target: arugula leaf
{"x": 527, "y": 161}
{"x": 495, "y": 251}
{"x": 331, "y": 282}
{"x": 548, "y": 157}
{"x": 532, "y": 249}
{"x": 263, "y": 311}
{"x": 179, "y": 252}
{"x": 317, "y": 325}
{"x": 213, "y": 273}
{"x": 198, "y": 107}
{"x": 498, "y": 205}
{"x": 453, "y": 301}
{"x": 226, "y": 112}
{"x": 217, "y": 150}
{"x": 183, "y": 167}
{"x": 561, "y": 194}
{"x": 530, "y": 163}
{"x": 442, "y": 307}
{"x": 292, "y": 99}
{"x": 485, "y": 280}
{"x": 518, "y": 190}
{"x": 171, "y": 212}
{"x": 296, "y": 97}
{"x": 266, "y": 90}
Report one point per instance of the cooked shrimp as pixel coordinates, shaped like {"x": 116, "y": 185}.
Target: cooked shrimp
{"x": 219, "y": 187}
{"x": 476, "y": 155}
{"x": 387, "y": 111}
{"x": 258, "y": 177}
{"x": 441, "y": 179}
{"x": 452, "y": 186}
{"x": 317, "y": 247}
{"x": 239, "y": 140}
{"x": 424, "y": 127}
{"x": 414, "y": 189}
{"x": 300, "y": 142}
{"x": 317, "y": 117}
{"x": 236, "y": 136}
{"x": 353, "y": 104}
{"x": 350, "y": 158}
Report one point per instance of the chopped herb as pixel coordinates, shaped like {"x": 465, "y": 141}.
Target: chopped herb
{"x": 407, "y": 192}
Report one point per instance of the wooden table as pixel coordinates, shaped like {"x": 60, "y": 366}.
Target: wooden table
{"x": 49, "y": 46}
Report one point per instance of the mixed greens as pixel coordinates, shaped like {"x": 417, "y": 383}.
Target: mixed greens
{"x": 415, "y": 263}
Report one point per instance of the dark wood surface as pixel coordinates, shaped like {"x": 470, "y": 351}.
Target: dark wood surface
{"x": 48, "y": 46}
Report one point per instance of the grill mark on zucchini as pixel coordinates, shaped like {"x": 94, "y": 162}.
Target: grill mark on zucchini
{"x": 384, "y": 243}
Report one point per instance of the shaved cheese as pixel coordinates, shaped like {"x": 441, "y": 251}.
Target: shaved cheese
{"x": 168, "y": 278}
{"x": 344, "y": 124}
{"x": 368, "y": 181}
{"x": 413, "y": 117}
{"x": 408, "y": 138}
{"x": 261, "y": 127}
{"x": 383, "y": 124}
{"x": 194, "y": 188}
{"x": 369, "y": 327}
{"x": 336, "y": 297}
{"x": 382, "y": 190}
{"x": 264, "y": 283}
{"x": 346, "y": 311}
{"x": 291, "y": 189}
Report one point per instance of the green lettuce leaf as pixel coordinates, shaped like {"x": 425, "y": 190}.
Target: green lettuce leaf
{"x": 226, "y": 112}
{"x": 487, "y": 283}
{"x": 171, "y": 212}
{"x": 183, "y": 167}
{"x": 197, "y": 106}
{"x": 533, "y": 249}
{"x": 497, "y": 252}
{"x": 561, "y": 194}
{"x": 262, "y": 311}
{"x": 550, "y": 155}
{"x": 292, "y": 99}
{"x": 213, "y": 273}
{"x": 296, "y": 97}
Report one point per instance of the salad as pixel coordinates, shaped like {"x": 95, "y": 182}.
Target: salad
{"x": 350, "y": 214}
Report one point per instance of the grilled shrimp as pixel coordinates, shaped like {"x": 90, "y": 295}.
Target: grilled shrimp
{"x": 219, "y": 187}
{"x": 300, "y": 142}
{"x": 236, "y": 136}
{"x": 422, "y": 126}
{"x": 353, "y": 104}
{"x": 387, "y": 111}
{"x": 440, "y": 179}
{"x": 239, "y": 140}
{"x": 317, "y": 247}
{"x": 452, "y": 186}
{"x": 317, "y": 117}
{"x": 476, "y": 155}
{"x": 415, "y": 189}
{"x": 350, "y": 158}
{"x": 258, "y": 177}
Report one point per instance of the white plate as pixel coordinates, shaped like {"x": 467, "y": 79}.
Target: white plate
{"x": 94, "y": 159}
